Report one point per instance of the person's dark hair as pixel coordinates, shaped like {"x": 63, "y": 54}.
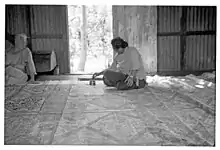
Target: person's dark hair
{"x": 119, "y": 43}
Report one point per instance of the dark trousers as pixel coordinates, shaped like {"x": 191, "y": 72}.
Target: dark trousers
{"x": 117, "y": 79}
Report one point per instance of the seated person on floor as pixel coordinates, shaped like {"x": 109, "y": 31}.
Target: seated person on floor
{"x": 127, "y": 70}
{"x": 19, "y": 62}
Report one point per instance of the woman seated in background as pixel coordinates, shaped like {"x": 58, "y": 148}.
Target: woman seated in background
{"x": 127, "y": 70}
{"x": 19, "y": 62}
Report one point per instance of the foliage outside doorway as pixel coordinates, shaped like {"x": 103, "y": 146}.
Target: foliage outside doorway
{"x": 90, "y": 34}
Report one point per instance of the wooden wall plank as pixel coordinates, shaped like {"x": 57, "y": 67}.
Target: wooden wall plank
{"x": 138, "y": 26}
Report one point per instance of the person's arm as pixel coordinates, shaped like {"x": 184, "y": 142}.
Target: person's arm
{"x": 112, "y": 67}
{"x": 31, "y": 66}
{"x": 135, "y": 63}
{"x": 135, "y": 59}
{"x": 133, "y": 73}
{"x": 114, "y": 64}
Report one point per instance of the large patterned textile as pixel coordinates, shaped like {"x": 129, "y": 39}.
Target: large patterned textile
{"x": 170, "y": 111}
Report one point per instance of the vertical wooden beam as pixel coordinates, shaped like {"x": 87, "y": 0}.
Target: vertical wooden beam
{"x": 215, "y": 29}
{"x": 28, "y": 12}
{"x": 67, "y": 39}
{"x": 183, "y": 39}
{"x": 114, "y": 24}
{"x": 158, "y": 44}
{"x": 6, "y": 22}
{"x": 8, "y": 35}
{"x": 83, "y": 53}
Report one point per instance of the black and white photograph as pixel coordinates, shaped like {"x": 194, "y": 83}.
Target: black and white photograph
{"x": 110, "y": 75}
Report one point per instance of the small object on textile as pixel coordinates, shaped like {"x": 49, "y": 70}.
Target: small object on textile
{"x": 92, "y": 82}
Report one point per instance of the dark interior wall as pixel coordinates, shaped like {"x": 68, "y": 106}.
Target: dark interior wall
{"x": 186, "y": 39}
{"x": 45, "y": 25}
{"x": 16, "y": 20}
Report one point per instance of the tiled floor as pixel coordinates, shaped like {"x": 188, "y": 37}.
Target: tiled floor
{"x": 73, "y": 112}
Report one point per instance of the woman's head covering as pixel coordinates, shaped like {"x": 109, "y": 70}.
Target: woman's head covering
{"x": 20, "y": 40}
{"x": 21, "y": 35}
{"x": 118, "y": 43}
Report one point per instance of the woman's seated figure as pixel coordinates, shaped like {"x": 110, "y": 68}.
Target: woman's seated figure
{"x": 127, "y": 70}
{"x": 19, "y": 62}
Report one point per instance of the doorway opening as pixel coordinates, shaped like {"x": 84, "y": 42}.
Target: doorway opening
{"x": 90, "y": 34}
